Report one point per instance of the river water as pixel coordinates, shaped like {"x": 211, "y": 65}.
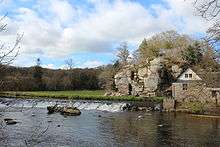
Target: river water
{"x": 103, "y": 124}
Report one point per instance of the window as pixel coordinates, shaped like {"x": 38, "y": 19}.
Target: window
{"x": 190, "y": 75}
{"x": 132, "y": 75}
{"x": 129, "y": 89}
{"x": 185, "y": 86}
{"x": 214, "y": 94}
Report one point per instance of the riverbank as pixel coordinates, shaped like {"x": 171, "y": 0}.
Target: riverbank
{"x": 75, "y": 95}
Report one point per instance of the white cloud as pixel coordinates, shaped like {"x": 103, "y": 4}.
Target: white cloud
{"x": 50, "y": 66}
{"x": 65, "y": 31}
{"x": 62, "y": 10}
{"x": 91, "y": 64}
{"x": 63, "y": 67}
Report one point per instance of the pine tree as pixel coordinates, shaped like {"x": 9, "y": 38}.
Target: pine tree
{"x": 192, "y": 55}
{"x": 37, "y": 75}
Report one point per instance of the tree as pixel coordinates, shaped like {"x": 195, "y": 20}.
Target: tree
{"x": 37, "y": 75}
{"x": 106, "y": 77}
{"x": 210, "y": 10}
{"x": 70, "y": 63}
{"x": 7, "y": 53}
{"x": 208, "y": 61}
{"x": 193, "y": 54}
{"x": 170, "y": 41}
{"x": 123, "y": 53}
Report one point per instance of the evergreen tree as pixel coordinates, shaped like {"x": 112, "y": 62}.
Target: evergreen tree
{"x": 148, "y": 50}
{"x": 37, "y": 75}
{"x": 209, "y": 61}
{"x": 193, "y": 54}
{"x": 123, "y": 53}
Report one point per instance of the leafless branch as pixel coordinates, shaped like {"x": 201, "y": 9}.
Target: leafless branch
{"x": 69, "y": 63}
{"x": 208, "y": 9}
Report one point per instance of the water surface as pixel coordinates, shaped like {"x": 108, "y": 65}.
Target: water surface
{"x": 99, "y": 127}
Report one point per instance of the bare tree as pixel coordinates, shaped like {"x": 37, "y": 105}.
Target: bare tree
{"x": 210, "y": 10}
{"x": 70, "y": 63}
{"x": 123, "y": 53}
{"x": 8, "y": 53}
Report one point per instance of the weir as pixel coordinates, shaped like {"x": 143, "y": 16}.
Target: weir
{"x": 83, "y": 105}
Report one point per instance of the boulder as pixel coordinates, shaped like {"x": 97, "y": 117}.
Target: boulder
{"x": 53, "y": 109}
{"x": 72, "y": 111}
{"x": 10, "y": 121}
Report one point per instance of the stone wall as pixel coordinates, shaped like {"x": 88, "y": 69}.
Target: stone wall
{"x": 196, "y": 91}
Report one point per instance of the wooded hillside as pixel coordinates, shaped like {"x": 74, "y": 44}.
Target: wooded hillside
{"x": 37, "y": 78}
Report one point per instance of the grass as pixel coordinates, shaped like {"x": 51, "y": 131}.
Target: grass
{"x": 78, "y": 95}
{"x": 82, "y": 95}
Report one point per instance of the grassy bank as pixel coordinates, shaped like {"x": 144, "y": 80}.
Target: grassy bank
{"x": 82, "y": 95}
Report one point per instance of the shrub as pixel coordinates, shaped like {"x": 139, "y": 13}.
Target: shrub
{"x": 196, "y": 107}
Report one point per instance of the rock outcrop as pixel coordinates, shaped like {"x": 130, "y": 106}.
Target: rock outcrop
{"x": 142, "y": 80}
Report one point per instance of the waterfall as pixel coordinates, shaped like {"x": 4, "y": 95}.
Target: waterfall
{"x": 82, "y": 105}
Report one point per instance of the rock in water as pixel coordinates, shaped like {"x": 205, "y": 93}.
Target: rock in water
{"x": 55, "y": 108}
{"x": 73, "y": 111}
{"x": 10, "y": 121}
{"x": 51, "y": 109}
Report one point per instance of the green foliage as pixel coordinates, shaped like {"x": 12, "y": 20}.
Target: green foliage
{"x": 209, "y": 62}
{"x": 37, "y": 75}
{"x": 193, "y": 54}
{"x": 123, "y": 53}
{"x": 168, "y": 40}
{"x": 196, "y": 107}
{"x": 148, "y": 49}
{"x": 82, "y": 95}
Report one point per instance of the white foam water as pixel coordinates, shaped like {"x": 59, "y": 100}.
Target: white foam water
{"x": 83, "y": 105}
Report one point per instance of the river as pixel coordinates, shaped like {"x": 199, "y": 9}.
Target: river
{"x": 102, "y": 124}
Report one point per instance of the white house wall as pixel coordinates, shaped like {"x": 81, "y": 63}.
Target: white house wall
{"x": 189, "y": 71}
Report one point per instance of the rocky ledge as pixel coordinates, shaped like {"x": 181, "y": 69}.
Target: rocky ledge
{"x": 69, "y": 111}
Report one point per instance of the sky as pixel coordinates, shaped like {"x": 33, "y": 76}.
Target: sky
{"x": 89, "y": 31}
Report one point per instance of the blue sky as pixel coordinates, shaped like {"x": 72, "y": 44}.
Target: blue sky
{"x": 88, "y": 31}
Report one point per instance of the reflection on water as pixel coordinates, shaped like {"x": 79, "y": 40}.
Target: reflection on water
{"x": 110, "y": 129}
